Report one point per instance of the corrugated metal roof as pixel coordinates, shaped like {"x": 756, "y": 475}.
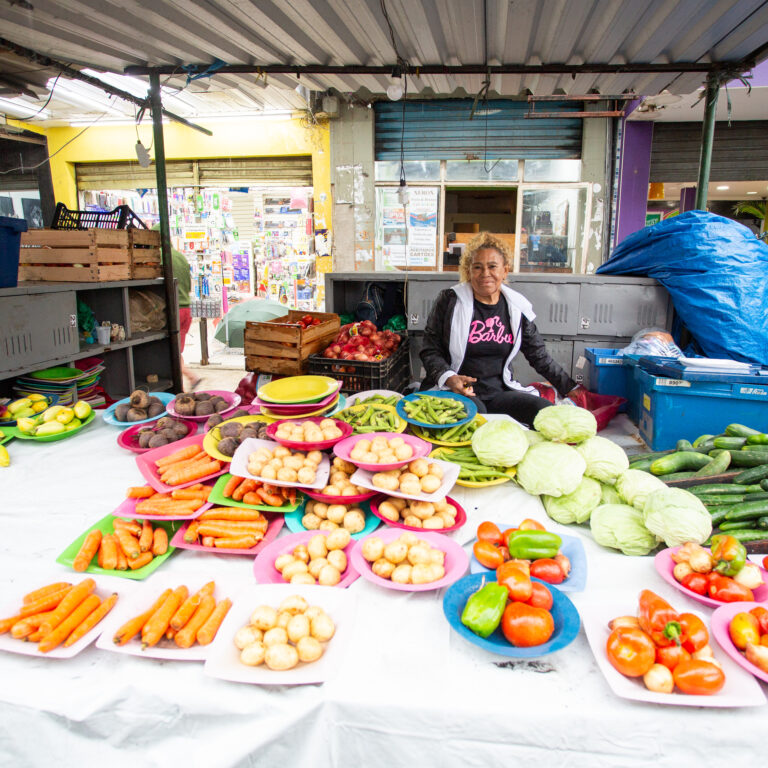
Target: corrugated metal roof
{"x": 110, "y": 35}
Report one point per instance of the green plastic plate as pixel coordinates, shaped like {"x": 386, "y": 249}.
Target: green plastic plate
{"x": 105, "y": 525}
{"x": 216, "y": 496}
{"x": 15, "y": 432}
{"x": 58, "y": 373}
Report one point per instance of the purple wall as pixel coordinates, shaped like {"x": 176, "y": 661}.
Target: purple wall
{"x": 687, "y": 199}
{"x": 634, "y": 172}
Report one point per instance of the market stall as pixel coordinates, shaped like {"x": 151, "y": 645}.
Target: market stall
{"x": 407, "y": 684}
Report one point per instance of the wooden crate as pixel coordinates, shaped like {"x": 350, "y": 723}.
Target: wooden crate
{"x": 88, "y": 255}
{"x": 280, "y": 346}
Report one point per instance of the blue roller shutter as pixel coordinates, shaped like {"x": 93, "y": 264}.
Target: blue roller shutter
{"x": 442, "y": 130}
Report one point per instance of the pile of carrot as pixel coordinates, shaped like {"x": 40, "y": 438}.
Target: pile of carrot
{"x": 58, "y": 613}
{"x": 185, "y": 465}
{"x": 255, "y": 492}
{"x": 180, "y": 501}
{"x": 179, "y": 616}
{"x": 132, "y": 544}
{"x": 227, "y": 528}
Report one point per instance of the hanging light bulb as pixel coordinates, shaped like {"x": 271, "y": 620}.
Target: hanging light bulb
{"x": 395, "y": 92}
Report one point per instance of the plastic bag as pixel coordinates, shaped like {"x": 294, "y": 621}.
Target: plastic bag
{"x": 652, "y": 341}
{"x": 147, "y": 311}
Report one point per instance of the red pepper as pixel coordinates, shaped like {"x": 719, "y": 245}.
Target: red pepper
{"x": 725, "y": 589}
{"x": 659, "y": 619}
{"x": 695, "y": 631}
{"x": 696, "y": 582}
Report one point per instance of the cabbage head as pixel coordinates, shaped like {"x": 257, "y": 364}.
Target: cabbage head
{"x": 620, "y": 526}
{"x": 609, "y": 495}
{"x": 574, "y": 507}
{"x": 534, "y": 437}
{"x": 553, "y": 469}
{"x": 565, "y": 423}
{"x": 605, "y": 460}
{"x": 676, "y": 516}
{"x": 499, "y": 443}
{"x": 634, "y": 485}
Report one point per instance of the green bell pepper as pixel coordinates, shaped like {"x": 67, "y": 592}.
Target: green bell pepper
{"x": 729, "y": 554}
{"x": 532, "y": 544}
{"x": 483, "y": 611}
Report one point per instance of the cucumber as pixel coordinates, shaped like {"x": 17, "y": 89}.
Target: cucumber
{"x": 701, "y": 439}
{"x": 762, "y": 522}
{"x": 643, "y": 464}
{"x": 761, "y": 439}
{"x": 739, "y": 430}
{"x": 685, "y": 445}
{"x": 754, "y": 475}
{"x": 749, "y": 447}
{"x": 747, "y": 458}
{"x": 719, "y": 488}
{"x": 747, "y": 510}
{"x": 729, "y": 443}
{"x": 681, "y": 461}
{"x": 718, "y": 513}
{"x": 745, "y": 534}
{"x": 717, "y": 466}
{"x": 764, "y": 484}
{"x": 762, "y": 496}
{"x": 729, "y": 498}
{"x": 728, "y": 525}
{"x": 677, "y": 476}
{"x": 707, "y": 445}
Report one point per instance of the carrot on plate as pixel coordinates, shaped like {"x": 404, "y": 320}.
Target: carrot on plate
{"x": 207, "y": 589}
{"x": 139, "y": 562}
{"x": 231, "y": 486}
{"x": 90, "y": 621}
{"x": 197, "y": 492}
{"x": 128, "y": 542}
{"x": 196, "y": 471}
{"x": 178, "y": 465}
{"x": 131, "y": 526}
{"x": 159, "y": 541}
{"x": 186, "y": 636}
{"x": 122, "y": 560}
{"x": 69, "y": 603}
{"x": 246, "y": 541}
{"x": 184, "y": 611}
{"x": 139, "y": 492}
{"x": 133, "y": 626}
{"x": 208, "y": 631}
{"x": 30, "y": 597}
{"x": 44, "y": 603}
{"x": 230, "y": 513}
{"x": 169, "y": 507}
{"x": 273, "y": 499}
{"x": 180, "y": 455}
{"x": 246, "y": 486}
{"x": 60, "y": 633}
{"x": 190, "y": 535}
{"x": 207, "y": 541}
{"x": 109, "y": 558}
{"x": 26, "y": 626}
{"x": 153, "y": 631}
{"x": 88, "y": 549}
{"x": 145, "y": 540}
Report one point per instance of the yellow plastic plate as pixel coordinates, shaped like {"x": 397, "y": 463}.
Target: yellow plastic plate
{"x": 442, "y": 453}
{"x": 211, "y": 439}
{"x": 401, "y": 423}
{"x": 298, "y": 389}
{"x": 319, "y": 412}
{"x": 422, "y": 433}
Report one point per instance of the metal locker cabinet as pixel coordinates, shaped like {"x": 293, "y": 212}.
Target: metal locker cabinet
{"x": 555, "y": 304}
{"x": 621, "y": 309}
{"x": 35, "y": 328}
{"x": 421, "y": 294}
{"x": 560, "y": 350}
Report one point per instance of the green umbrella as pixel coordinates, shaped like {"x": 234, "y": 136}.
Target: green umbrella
{"x": 230, "y": 330}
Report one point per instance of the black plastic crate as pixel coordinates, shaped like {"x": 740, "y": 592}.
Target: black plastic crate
{"x": 394, "y": 372}
{"x": 121, "y": 217}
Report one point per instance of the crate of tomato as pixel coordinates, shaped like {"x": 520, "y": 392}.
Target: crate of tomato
{"x": 284, "y": 344}
{"x": 363, "y": 358}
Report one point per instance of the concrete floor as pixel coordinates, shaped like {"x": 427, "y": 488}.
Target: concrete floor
{"x": 226, "y": 366}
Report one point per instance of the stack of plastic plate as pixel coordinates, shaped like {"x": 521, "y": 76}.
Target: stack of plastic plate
{"x": 295, "y": 397}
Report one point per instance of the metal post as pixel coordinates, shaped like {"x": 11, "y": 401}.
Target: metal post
{"x": 165, "y": 230}
{"x": 707, "y": 139}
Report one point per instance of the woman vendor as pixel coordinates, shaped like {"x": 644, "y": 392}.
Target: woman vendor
{"x": 476, "y": 328}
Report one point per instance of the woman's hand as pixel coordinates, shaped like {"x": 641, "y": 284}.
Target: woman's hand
{"x": 461, "y": 385}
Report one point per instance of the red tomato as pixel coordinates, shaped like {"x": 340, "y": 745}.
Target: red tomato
{"x": 487, "y": 555}
{"x": 489, "y": 532}
{"x": 761, "y": 614}
{"x": 547, "y": 570}
{"x": 631, "y": 651}
{"x": 564, "y": 563}
{"x": 504, "y": 553}
{"x": 696, "y": 582}
{"x": 525, "y": 625}
{"x": 671, "y": 655}
{"x": 541, "y": 597}
{"x": 695, "y": 632}
{"x": 531, "y": 525}
{"x": 698, "y": 677}
{"x": 727, "y": 590}
{"x": 765, "y": 562}
{"x": 516, "y": 580}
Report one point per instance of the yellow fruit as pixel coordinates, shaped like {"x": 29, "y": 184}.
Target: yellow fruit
{"x": 19, "y": 405}
{"x": 65, "y": 416}
{"x": 25, "y": 413}
{"x": 82, "y": 409}
{"x": 5, "y": 459}
{"x": 39, "y": 406}
{"x": 51, "y": 413}
{"x": 49, "y": 428}
{"x": 37, "y": 398}
{"x": 74, "y": 424}
{"x": 26, "y": 425}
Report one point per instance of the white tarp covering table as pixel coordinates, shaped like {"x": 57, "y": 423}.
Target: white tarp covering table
{"x": 410, "y": 689}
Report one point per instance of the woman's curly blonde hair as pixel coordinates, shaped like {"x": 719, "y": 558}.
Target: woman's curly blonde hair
{"x": 477, "y": 243}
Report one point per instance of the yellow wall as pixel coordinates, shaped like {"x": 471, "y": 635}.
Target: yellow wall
{"x": 258, "y": 137}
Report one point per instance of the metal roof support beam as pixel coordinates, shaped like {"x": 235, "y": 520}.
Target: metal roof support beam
{"x": 707, "y": 139}
{"x": 74, "y": 74}
{"x": 171, "y": 297}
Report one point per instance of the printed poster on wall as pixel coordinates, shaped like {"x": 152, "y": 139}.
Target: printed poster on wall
{"x": 406, "y": 235}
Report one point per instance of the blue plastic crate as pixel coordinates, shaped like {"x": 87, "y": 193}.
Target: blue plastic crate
{"x": 672, "y": 409}
{"x": 10, "y": 243}
{"x": 606, "y": 373}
